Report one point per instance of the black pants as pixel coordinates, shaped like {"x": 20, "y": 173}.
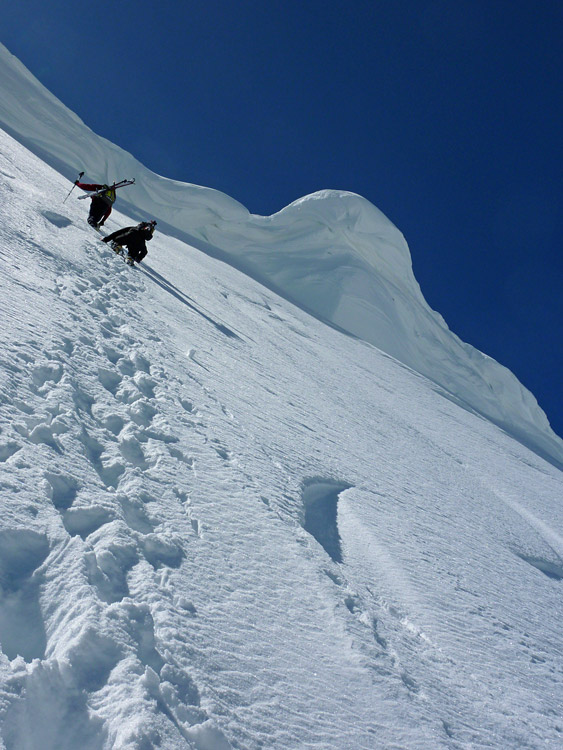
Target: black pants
{"x": 98, "y": 209}
{"x": 137, "y": 253}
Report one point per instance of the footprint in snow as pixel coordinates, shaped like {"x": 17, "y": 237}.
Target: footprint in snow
{"x": 138, "y": 622}
{"x": 110, "y": 379}
{"x": 8, "y": 449}
{"x": 159, "y": 551}
{"x": 50, "y": 371}
{"x": 22, "y": 629}
{"x": 336, "y": 579}
{"x": 83, "y": 402}
{"x": 177, "y": 454}
{"x": 85, "y": 520}
{"x": 23, "y": 407}
{"x": 135, "y": 516}
{"x": 145, "y": 384}
{"x": 409, "y": 682}
{"x": 184, "y": 499}
{"x": 221, "y": 451}
{"x": 126, "y": 366}
{"x": 187, "y": 406}
{"x": 109, "y": 471}
{"x": 98, "y": 304}
{"x": 108, "y": 565}
{"x": 62, "y": 490}
{"x": 132, "y": 452}
{"x": 142, "y": 412}
{"x": 177, "y": 697}
{"x": 44, "y": 434}
{"x": 185, "y": 689}
{"x": 113, "y": 355}
{"x": 141, "y": 363}
{"x": 82, "y": 521}
{"x": 92, "y": 659}
{"x": 113, "y": 422}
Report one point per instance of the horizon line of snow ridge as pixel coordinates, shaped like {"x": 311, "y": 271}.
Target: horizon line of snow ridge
{"x": 332, "y": 253}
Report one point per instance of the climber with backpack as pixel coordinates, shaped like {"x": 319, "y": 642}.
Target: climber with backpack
{"x": 102, "y": 199}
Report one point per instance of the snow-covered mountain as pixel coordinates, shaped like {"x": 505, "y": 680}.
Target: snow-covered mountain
{"x": 332, "y": 253}
{"x": 226, "y": 523}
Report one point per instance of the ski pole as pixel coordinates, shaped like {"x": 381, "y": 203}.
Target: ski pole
{"x": 80, "y": 175}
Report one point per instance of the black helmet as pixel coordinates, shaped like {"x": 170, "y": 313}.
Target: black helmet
{"x": 148, "y": 228}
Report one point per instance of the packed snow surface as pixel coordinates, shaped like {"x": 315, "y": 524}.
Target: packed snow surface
{"x": 226, "y": 524}
{"x": 332, "y": 253}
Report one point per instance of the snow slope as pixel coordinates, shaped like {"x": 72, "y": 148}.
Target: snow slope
{"x": 226, "y": 524}
{"x": 332, "y": 253}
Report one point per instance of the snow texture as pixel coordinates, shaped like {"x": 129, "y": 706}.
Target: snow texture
{"x": 332, "y": 253}
{"x": 227, "y": 524}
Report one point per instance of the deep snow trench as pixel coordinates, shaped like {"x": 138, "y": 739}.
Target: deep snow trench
{"x": 320, "y": 504}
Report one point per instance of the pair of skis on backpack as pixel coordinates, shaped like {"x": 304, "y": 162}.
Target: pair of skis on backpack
{"x": 105, "y": 188}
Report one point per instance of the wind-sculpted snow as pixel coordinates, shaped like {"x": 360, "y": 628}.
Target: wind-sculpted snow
{"x": 333, "y": 253}
{"x": 226, "y": 524}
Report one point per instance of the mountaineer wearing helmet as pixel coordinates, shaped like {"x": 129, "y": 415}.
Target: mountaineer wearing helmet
{"x": 134, "y": 239}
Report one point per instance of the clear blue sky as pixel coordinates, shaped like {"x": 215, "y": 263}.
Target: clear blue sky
{"x": 446, "y": 114}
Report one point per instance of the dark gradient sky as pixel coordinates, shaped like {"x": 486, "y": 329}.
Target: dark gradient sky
{"x": 446, "y": 114}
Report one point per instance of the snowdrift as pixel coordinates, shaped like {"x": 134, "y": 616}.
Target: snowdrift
{"x": 332, "y": 253}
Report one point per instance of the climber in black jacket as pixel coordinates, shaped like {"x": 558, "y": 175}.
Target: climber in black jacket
{"x": 133, "y": 238}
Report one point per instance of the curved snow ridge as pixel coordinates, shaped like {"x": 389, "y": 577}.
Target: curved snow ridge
{"x": 338, "y": 256}
{"x": 332, "y": 253}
